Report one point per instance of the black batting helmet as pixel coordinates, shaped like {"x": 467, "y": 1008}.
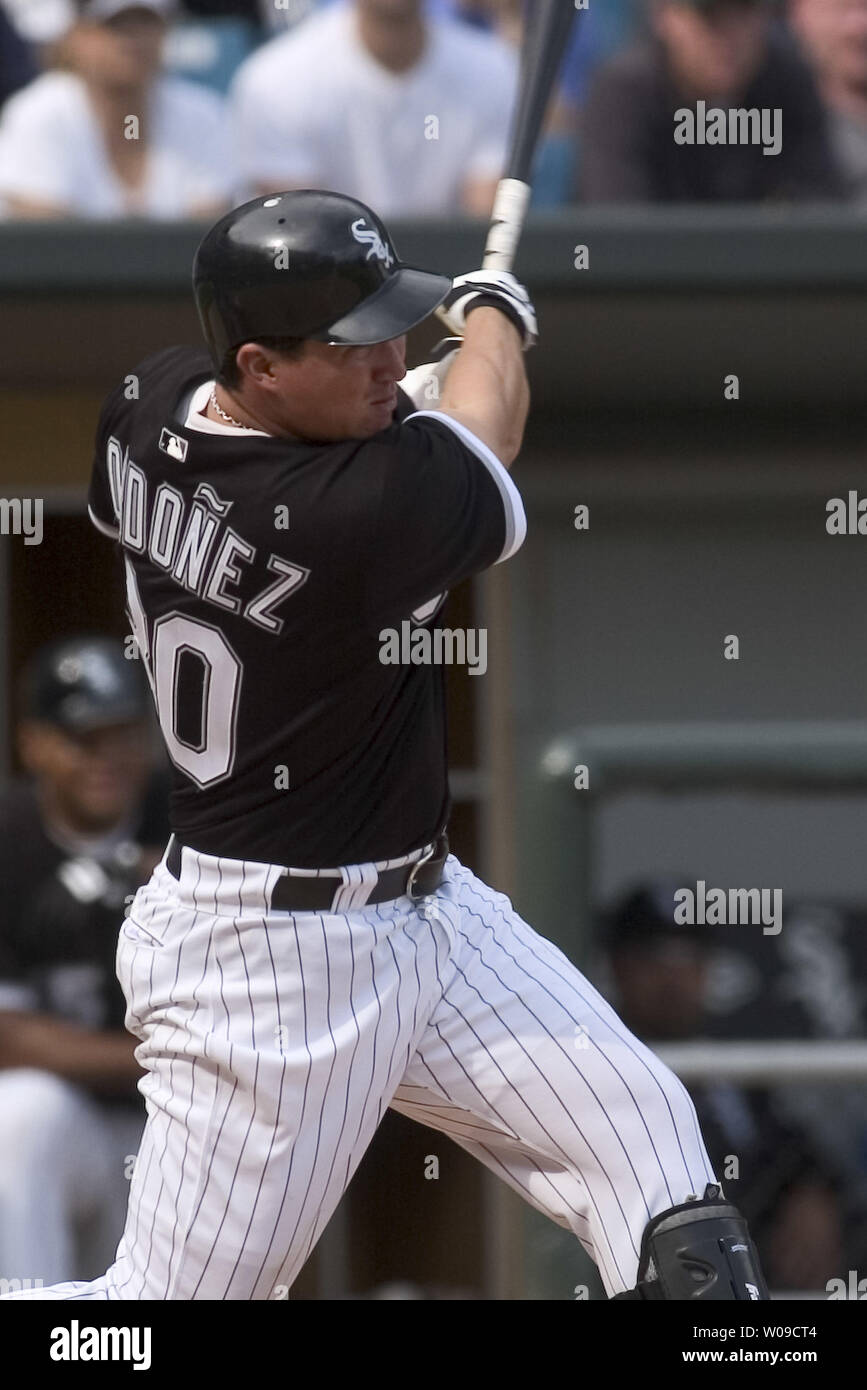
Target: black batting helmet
{"x": 307, "y": 264}
{"x": 82, "y": 683}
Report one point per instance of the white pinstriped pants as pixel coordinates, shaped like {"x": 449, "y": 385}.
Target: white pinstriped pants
{"x": 273, "y": 1042}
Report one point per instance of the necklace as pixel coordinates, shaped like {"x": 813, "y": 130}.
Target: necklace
{"x": 229, "y": 419}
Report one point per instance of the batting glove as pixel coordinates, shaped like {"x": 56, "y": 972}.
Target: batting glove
{"x": 497, "y": 289}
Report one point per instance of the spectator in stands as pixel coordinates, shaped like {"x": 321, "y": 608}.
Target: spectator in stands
{"x": 767, "y": 1167}
{"x": 76, "y": 839}
{"x": 17, "y": 63}
{"x": 648, "y": 132}
{"x": 833, "y": 34}
{"x": 111, "y": 137}
{"x": 378, "y": 100}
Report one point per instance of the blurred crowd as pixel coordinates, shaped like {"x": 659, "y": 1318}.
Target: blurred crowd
{"x": 163, "y": 109}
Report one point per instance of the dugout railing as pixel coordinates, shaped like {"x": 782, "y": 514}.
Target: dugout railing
{"x": 557, "y": 843}
{"x": 559, "y": 846}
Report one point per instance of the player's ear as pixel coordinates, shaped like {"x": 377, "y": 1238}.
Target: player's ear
{"x": 255, "y": 363}
{"x": 30, "y": 738}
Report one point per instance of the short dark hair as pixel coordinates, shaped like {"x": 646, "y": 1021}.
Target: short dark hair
{"x": 229, "y": 375}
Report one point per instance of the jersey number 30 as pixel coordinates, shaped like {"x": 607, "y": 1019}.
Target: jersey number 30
{"x": 211, "y": 756}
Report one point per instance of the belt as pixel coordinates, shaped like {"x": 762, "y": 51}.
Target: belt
{"x": 293, "y": 894}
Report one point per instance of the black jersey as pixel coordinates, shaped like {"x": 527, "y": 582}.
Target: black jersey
{"x": 60, "y": 908}
{"x": 262, "y": 573}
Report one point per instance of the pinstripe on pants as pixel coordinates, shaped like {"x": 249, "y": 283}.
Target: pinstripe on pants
{"x": 273, "y": 1043}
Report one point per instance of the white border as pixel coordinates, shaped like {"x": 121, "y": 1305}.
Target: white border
{"x": 111, "y": 531}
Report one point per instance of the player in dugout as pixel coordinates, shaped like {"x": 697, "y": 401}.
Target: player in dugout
{"x": 76, "y": 839}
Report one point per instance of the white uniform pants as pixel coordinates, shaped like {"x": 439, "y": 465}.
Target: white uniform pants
{"x": 273, "y": 1043}
{"x": 63, "y": 1178}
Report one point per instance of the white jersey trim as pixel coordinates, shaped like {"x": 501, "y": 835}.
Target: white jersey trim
{"x": 516, "y": 519}
{"x": 111, "y": 531}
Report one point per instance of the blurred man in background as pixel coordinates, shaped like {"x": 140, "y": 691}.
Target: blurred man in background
{"x": 78, "y": 837}
{"x": 111, "y": 136}
{"x": 45, "y": 21}
{"x": 834, "y": 37}
{"x": 375, "y": 99}
{"x": 768, "y": 1166}
{"x": 725, "y": 54}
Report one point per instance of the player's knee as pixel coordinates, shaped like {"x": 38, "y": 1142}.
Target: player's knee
{"x": 700, "y": 1249}
{"x": 38, "y": 1111}
{"x": 665, "y": 1085}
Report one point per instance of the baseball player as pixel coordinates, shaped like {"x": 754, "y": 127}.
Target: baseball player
{"x": 77, "y": 837}
{"x": 308, "y": 952}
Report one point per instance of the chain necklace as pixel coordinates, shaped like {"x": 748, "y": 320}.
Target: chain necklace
{"x": 229, "y": 419}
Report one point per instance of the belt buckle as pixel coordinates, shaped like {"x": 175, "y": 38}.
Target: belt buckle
{"x": 411, "y": 877}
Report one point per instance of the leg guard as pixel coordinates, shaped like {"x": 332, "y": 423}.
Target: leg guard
{"x": 701, "y": 1249}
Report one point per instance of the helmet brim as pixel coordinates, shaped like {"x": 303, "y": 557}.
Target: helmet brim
{"x": 405, "y": 300}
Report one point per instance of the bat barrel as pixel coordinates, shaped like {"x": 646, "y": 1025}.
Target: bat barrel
{"x": 547, "y": 31}
{"x": 546, "y": 34}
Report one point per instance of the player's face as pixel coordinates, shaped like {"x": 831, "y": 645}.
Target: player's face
{"x": 91, "y": 781}
{"x": 333, "y": 393}
{"x": 661, "y": 989}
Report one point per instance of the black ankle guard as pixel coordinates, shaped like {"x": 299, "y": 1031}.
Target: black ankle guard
{"x": 701, "y": 1249}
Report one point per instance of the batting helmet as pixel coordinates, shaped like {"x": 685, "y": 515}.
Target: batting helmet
{"x": 307, "y": 264}
{"x": 83, "y": 683}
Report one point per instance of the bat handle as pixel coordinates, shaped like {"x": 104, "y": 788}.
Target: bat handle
{"x": 507, "y": 222}
{"x": 509, "y": 213}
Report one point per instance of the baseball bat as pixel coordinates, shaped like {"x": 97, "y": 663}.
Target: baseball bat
{"x": 546, "y": 31}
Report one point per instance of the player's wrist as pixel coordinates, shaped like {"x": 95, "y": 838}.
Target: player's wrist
{"x": 502, "y": 308}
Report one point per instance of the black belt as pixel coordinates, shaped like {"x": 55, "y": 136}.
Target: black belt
{"x": 293, "y": 894}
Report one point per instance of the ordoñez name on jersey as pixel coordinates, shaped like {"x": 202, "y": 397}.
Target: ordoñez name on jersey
{"x": 195, "y": 545}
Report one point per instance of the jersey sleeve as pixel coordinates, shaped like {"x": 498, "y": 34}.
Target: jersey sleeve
{"x": 446, "y": 509}
{"x": 177, "y": 365}
{"x": 101, "y": 501}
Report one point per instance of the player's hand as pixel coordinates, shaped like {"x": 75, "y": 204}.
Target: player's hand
{"x": 496, "y": 289}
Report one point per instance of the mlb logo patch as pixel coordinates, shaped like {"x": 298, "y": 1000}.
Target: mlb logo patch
{"x": 173, "y": 445}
